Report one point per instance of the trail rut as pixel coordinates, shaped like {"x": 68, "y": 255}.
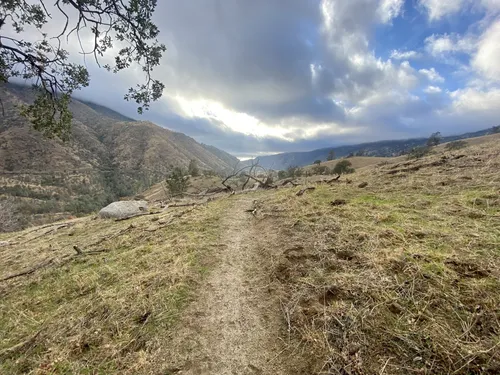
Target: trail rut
{"x": 233, "y": 327}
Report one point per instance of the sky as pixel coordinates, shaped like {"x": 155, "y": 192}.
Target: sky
{"x": 268, "y": 76}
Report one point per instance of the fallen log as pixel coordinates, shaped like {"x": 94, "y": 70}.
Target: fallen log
{"x": 333, "y": 180}
{"x": 302, "y": 191}
{"x": 289, "y": 181}
{"x": 30, "y": 271}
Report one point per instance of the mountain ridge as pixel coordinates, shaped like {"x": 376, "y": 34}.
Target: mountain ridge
{"x": 385, "y": 148}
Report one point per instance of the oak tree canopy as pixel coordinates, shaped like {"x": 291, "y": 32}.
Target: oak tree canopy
{"x": 123, "y": 27}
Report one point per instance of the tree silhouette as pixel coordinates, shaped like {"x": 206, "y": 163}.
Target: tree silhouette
{"x": 434, "y": 139}
{"x": 126, "y": 25}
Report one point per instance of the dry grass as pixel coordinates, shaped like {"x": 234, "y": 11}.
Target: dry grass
{"x": 404, "y": 277}
{"x": 102, "y": 313}
{"x": 197, "y": 185}
{"x": 357, "y": 162}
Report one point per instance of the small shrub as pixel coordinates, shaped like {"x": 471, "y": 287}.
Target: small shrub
{"x": 193, "y": 169}
{"x": 456, "y": 145}
{"x": 176, "y": 182}
{"x": 317, "y": 162}
{"x": 9, "y": 219}
{"x": 343, "y": 167}
{"x": 419, "y": 152}
{"x": 320, "y": 169}
{"x": 294, "y": 171}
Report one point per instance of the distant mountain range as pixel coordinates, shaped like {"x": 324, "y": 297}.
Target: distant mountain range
{"x": 381, "y": 148}
{"x": 108, "y": 156}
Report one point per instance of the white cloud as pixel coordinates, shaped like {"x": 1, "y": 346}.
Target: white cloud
{"x": 486, "y": 60}
{"x": 437, "y": 45}
{"x": 432, "y": 90}
{"x": 431, "y": 74}
{"x": 471, "y": 100}
{"x": 437, "y": 9}
{"x": 404, "y": 55}
{"x": 389, "y": 9}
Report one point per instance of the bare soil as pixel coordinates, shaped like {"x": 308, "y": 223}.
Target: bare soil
{"x": 235, "y": 324}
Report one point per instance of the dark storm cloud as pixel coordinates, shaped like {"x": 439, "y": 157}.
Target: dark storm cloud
{"x": 241, "y": 52}
{"x": 294, "y": 64}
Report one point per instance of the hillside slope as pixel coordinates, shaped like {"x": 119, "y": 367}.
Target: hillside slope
{"x": 398, "y": 277}
{"x": 108, "y": 156}
{"x": 388, "y": 148}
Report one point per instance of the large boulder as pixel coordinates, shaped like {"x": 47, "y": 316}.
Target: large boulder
{"x": 121, "y": 209}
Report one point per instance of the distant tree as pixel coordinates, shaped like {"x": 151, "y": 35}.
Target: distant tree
{"x": 176, "y": 182}
{"x": 331, "y": 155}
{"x": 361, "y": 153}
{"x": 419, "y": 152}
{"x": 113, "y": 25}
{"x": 343, "y": 167}
{"x": 317, "y": 162}
{"x": 495, "y": 129}
{"x": 434, "y": 139}
{"x": 455, "y": 145}
{"x": 350, "y": 155}
{"x": 193, "y": 169}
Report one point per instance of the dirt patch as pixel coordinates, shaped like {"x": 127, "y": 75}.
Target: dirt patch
{"x": 233, "y": 327}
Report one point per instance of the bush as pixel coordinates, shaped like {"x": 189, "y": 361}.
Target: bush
{"x": 317, "y": 162}
{"x": 343, "y": 167}
{"x": 9, "y": 219}
{"x": 456, "y": 145}
{"x": 320, "y": 169}
{"x": 294, "y": 171}
{"x": 193, "y": 169}
{"x": 176, "y": 182}
{"x": 419, "y": 152}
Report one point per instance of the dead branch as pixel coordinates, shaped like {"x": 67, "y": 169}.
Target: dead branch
{"x": 252, "y": 168}
{"x": 302, "y": 191}
{"x": 265, "y": 184}
{"x": 21, "y": 345}
{"x": 30, "y": 271}
{"x": 60, "y": 226}
{"x": 164, "y": 224}
{"x": 137, "y": 215}
{"x": 181, "y": 204}
{"x": 333, "y": 180}
{"x": 289, "y": 181}
{"x": 106, "y": 238}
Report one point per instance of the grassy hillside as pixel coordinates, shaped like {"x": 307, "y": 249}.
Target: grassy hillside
{"x": 400, "y": 276}
{"x": 388, "y": 148}
{"x": 365, "y": 161}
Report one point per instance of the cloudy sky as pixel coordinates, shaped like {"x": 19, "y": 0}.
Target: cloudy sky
{"x": 267, "y": 76}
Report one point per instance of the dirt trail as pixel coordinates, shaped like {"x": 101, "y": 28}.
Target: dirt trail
{"x": 234, "y": 326}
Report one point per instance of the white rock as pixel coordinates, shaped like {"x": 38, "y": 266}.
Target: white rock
{"x": 121, "y": 209}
